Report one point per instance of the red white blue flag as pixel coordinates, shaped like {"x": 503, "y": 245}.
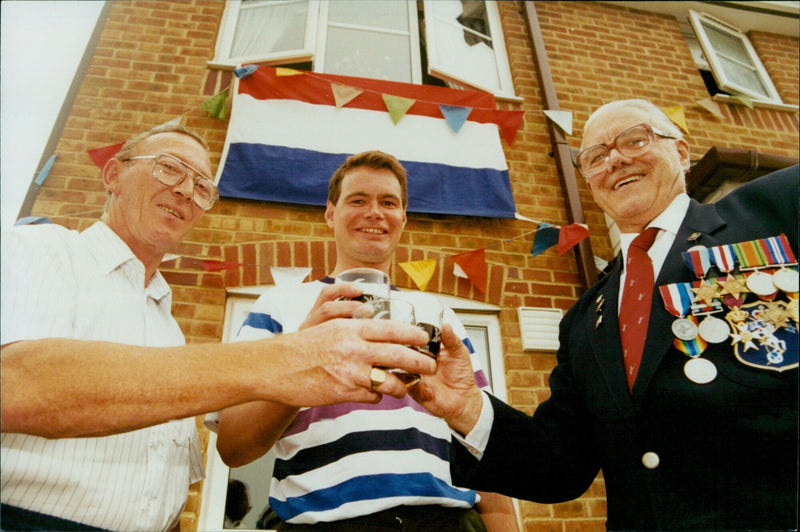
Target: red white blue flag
{"x": 287, "y": 136}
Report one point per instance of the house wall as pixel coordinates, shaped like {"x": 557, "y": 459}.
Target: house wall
{"x": 150, "y": 67}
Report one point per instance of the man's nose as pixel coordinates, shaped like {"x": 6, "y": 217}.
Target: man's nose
{"x": 185, "y": 188}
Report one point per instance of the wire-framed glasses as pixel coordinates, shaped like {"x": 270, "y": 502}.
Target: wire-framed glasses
{"x": 631, "y": 142}
{"x": 169, "y": 170}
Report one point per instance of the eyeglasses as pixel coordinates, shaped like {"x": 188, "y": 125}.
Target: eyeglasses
{"x": 632, "y": 142}
{"x": 169, "y": 170}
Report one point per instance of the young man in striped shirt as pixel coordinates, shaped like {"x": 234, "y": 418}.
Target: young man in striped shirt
{"x": 356, "y": 467}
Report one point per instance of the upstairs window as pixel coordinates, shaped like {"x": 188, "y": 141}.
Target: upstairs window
{"x": 458, "y": 43}
{"x": 731, "y": 59}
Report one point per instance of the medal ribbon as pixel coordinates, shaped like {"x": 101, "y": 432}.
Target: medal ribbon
{"x": 780, "y": 250}
{"x": 677, "y": 298}
{"x": 724, "y": 258}
{"x": 698, "y": 261}
{"x": 692, "y": 348}
{"x": 750, "y": 255}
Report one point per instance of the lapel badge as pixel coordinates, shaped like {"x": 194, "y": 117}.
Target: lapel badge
{"x": 694, "y": 236}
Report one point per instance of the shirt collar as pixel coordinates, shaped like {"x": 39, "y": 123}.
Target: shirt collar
{"x": 669, "y": 220}
{"x": 112, "y": 253}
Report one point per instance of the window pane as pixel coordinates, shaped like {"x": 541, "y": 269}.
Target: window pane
{"x": 479, "y": 337}
{"x": 462, "y": 51}
{"x": 365, "y": 54}
{"x": 370, "y": 13}
{"x": 270, "y": 27}
{"x": 735, "y": 60}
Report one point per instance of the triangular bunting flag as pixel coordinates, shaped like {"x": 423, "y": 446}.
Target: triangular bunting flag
{"x": 420, "y": 271}
{"x": 562, "y": 119}
{"x": 747, "y": 102}
{"x": 174, "y": 122}
{"x": 570, "y": 235}
{"x": 288, "y": 276}
{"x": 458, "y": 272}
{"x": 712, "y": 107}
{"x": 215, "y": 106}
{"x": 218, "y": 265}
{"x": 397, "y": 106}
{"x": 678, "y": 118}
{"x": 509, "y": 123}
{"x": 244, "y": 71}
{"x": 546, "y": 236}
{"x": 473, "y": 263}
{"x": 100, "y": 156}
{"x": 455, "y": 116}
{"x": 343, "y": 94}
{"x": 282, "y": 71}
{"x": 45, "y": 170}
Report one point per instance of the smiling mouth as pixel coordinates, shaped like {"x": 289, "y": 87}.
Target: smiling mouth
{"x": 173, "y": 212}
{"x": 628, "y": 180}
{"x": 372, "y": 231}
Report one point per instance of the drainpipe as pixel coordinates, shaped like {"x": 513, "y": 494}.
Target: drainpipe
{"x": 566, "y": 171}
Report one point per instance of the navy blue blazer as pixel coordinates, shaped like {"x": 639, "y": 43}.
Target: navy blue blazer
{"x": 727, "y": 450}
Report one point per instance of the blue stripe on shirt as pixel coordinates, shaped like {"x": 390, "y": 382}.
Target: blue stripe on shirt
{"x": 258, "y": 320}
{"x": 409, "y": 439}
{"x": 370, "y": 487}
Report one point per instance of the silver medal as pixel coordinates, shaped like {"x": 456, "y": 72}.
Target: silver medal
{"x": 700, "y": 370}
{"x": 713, "y": 330}
{"x": 760, "y": 283}
{"x": 684, "y": 329}
{"x": 786, "y": 280}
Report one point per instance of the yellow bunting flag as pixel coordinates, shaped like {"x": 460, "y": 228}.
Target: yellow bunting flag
{"x": 215, "y": 106}
{"x": 711, "y": 106}
{"x": 747, "y": 102}
{"x": 420, "y": 271}
{"x": 343, "y": 94}
{"x": 678, "y": 118}
{"x": 281, "y": 71}
{"x": 397, "y": 106}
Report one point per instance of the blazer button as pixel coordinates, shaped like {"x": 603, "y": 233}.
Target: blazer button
{"x": 650, "y": 460}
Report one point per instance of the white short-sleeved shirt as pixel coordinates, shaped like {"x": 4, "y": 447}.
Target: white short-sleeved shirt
{"x": 58, "y": 283}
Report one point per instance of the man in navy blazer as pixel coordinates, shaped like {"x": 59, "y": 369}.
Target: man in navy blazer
{"x": 711, "y": 444}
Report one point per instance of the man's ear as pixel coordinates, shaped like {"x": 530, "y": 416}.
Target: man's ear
{"x": 683, "y": 152}
{"x": 330, "y": 207}
{"x": 111, "y": 175}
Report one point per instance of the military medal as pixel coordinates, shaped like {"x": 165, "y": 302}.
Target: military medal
{"x": 785, "y": 279}
{"x": 700, "y": 370}
{"x": 751, "y": 256}
{"x": 711, "y": 329}
{"x": 677, "y": 301}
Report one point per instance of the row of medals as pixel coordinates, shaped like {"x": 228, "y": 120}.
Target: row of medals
{"x": 764, "y": 283}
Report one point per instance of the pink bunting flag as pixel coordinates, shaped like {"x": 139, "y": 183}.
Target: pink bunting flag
{"x": 343, "y": 94}
{"x": 570, "y": 235}
{"x": 473, "y": 264}
{"x": 100, "y": 156}
{"x": 218, "y": 265}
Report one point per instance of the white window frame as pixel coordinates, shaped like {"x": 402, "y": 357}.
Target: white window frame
{"x": 313, "y": 48}
{"x": 227, "y": 31}
{"x": 697, "y": 20}
{"x": 239, "y": 302}
{"x": 438, "y": 69}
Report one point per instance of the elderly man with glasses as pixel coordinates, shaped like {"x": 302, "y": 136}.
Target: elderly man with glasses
{"x": 677, "y": 371}
{"x": 98, "y": 386}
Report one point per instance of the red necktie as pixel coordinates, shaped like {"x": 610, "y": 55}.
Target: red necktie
{"x": 637, "y": 294}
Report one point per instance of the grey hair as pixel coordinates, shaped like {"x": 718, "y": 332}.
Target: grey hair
{"x": 130, "y": 146}
{"x": 658, "y": 118}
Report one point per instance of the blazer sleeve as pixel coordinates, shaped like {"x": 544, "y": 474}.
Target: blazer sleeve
{"x": 548, "y": 457}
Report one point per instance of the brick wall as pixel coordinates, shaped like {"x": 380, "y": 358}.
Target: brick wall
{"x": 150, "y": 66}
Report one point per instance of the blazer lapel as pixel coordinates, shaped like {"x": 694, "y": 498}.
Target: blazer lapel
{"x": 605, "y": 342}
{"x": 700, "y": 222}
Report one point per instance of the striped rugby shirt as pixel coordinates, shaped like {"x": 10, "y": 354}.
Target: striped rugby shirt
{"x": 89, "y": 286}
{"x": 352, "y": 459}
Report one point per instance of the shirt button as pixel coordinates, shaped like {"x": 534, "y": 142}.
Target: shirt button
{"x": 650, "y": 460}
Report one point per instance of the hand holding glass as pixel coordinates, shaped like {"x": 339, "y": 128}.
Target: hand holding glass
{"x": 374, "y": 283}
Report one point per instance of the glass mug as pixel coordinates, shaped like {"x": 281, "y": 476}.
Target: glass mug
{"x": 429, "y": 316}
{"x": 386, "y": 308}
{"x": 374, "y": 283}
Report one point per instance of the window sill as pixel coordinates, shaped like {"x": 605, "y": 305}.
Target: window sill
{"x": 756, "y": 103}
